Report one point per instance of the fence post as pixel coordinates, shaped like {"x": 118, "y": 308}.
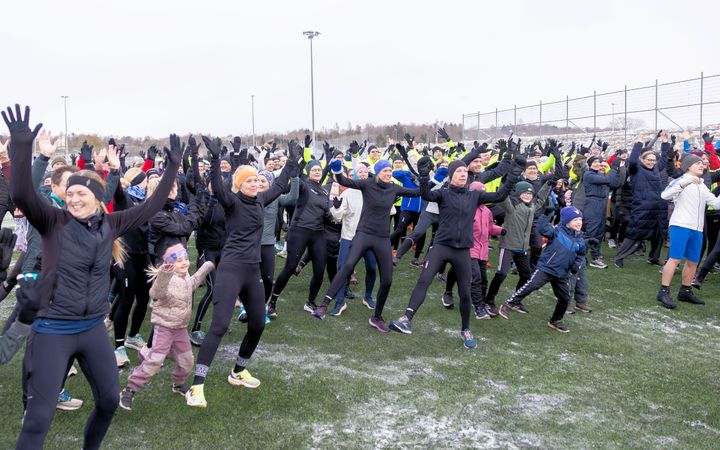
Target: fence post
{"x": 496, "y": 123}
{"x": 625, "y": 113}
{"x": 478, "y": 133}
{"x": 541, "y": 133}
{"x": 656, "y": 101}
{"x": 567, "y": 116}
{"x": 594, "y": 111}
{"x": 702, "y": 82}
{"x": 514, "y": 117}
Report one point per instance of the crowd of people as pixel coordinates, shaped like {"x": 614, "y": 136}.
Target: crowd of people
{"x": 98, "y": 241}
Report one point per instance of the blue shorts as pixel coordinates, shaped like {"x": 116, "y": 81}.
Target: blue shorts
{"x": 685, "y": 243}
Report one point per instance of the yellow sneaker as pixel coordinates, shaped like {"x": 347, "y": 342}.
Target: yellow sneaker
{"x": 243, "y": 379}
{"x": 195, "y": 396}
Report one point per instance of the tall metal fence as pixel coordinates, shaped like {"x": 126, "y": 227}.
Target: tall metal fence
{"x": 686, "y": 105}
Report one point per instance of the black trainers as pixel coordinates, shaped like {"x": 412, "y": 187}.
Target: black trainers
{"x": 697, "y": 281}
{"x": 349, "y": 294}
{"x": 126, "y": 399}
{"x": 663, "y": 296}
{"x": 417, "y": 262}
{"x": 310, "y": 307}
{"x": 583, "y": 307}
{"x": 179, "y": 389}
{"x": 519, "y": 307}
{"x": 558, "y": 325}
{"x": 654, "y": 262}
{"x": 447, "y": 300}
{"x": 686, "y": 295}
{"x": 492, "y": 309}
{"x": 395, "y": 261}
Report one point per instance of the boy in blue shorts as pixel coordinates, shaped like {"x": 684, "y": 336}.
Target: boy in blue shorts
{"x": 690, "y": 196}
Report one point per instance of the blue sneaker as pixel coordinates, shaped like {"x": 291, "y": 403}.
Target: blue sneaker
{"x": 468, "y": 339}
{"x": 370, "y": 303}
{"x": 402, "y": 325}
{"x": 242, "y": 316}
{"x": 267, "y": 319}
{"x": 338, "y": 309}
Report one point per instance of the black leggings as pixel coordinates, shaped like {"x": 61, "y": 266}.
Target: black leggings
{"x": 459, "y": 259}
{"x": 132, "y": 284}
{"x": 425, "y": 221}
{"x": 51, "y": 356}
{"x": 204, "y": 304}
{"x": 522, "y": 263}
{"x": 332, "y": 245}
{"x": 407, "y": 218}
{"x": 233, "y": 279}
{"x": 299, "y": 239}
{"x": 361, "y": 243}
{"x": 538, "y": 279}
{"x": 267, "y": 268}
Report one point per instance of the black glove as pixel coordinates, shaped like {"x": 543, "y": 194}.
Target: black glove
{"x": 86, "y": 152}
{"x": 337, "y": 201}
{"x": 520, "y": 162}
{"x": 707, "y": 138}
{"x": 152, "y": 153}
{"x": 354, "y": 148}
{"x": 213, "y": 146}
{"x": 223, "y": 151}
{"x": 73, "y": 158}
{"x": 28, "y": 298}
{"x": 7, "y": 245}
{"x": 409, "y": 139}
{"x": 308, "y": 140}
{"x": 294, "y": 151}
{"x": 424, "y": 165}
{"x": 401, "y": 150}
{"x": 574, "y": 269}
{"x": 236, "y": 144}
{"x": 503, "y": 232}
{"x": 173, "y": 156}
{"x": 193, "y": 146}
{"x": 673, "y": 139}
{"x": 443, "y": 134}
{"x": 605, "y": 145}
{"x": 20, "y": 133}
{"x": 514, "y": 147}
{"x": 501, "y": 145}
{"x": 328, "y": 151}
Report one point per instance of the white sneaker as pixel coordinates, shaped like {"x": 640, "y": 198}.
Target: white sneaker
{"x": 612, "y": 243}
{"x": 121, "y": 356}
{"x": 66, "y": 402}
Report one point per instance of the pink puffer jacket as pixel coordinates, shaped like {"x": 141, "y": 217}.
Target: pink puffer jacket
{"x": 483, "y": 228}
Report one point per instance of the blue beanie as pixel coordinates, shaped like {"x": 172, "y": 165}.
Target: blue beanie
{"x": 380, "y": 165}
{"x": 569, "y": 213}
{"x": 312, "y": 163}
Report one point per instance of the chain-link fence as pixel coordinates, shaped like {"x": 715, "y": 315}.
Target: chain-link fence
{"x": 687, "y": 106}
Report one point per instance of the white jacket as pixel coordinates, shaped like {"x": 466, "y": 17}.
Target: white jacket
{"x": 689, "y": 202}
{"x": 348, "y": 212}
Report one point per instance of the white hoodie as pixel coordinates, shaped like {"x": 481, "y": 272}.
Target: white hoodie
{"x": 689, "y": 202}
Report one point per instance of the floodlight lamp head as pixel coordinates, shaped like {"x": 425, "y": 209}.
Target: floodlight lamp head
{"x": 311, "y": 34}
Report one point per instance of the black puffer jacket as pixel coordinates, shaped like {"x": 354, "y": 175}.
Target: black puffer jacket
{"x": 170, "y": 226}
{"x": 648, "y": 213}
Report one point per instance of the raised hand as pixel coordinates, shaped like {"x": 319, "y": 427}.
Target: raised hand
{"x": 337, "y": 201}
{"x": 236, "y": 144}
{"x": 99, "y": 157}
{"x": 214, "y": 147}
{"x": 501, "y": 145}
{"x": 46, "y": 145}
{"x": 152, "y": 152}
{"x": 410, "y": 140}
{"x": 194, "y": 146}
{"x": 327, "y": 150}
{"x": 223, "y": 150}
{"x": 424, "y": 165}
{"x": 707, "y": 137}
{"x": 402, "y": 151}
{"x": 174, "y": 155}
{"x": 294, "y": 150}
{"x": 354, "y": 148}
{"x": 113, "y": 157}
{"x": 308, "y": 140}
{"x": 443, "y": 134}
{"x": 20, "y": 133}
{"x": 73, "y": 158}
{"x": 86, "y": 152}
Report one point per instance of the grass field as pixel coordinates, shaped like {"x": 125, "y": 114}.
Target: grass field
{"x": 629, "y": 375}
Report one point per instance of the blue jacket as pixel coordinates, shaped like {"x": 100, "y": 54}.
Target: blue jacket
{"x": 408, "y": 203}
{"x": 565, "y": 247}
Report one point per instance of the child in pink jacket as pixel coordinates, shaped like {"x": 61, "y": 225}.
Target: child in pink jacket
{"x": 483, "y": 228}
{"x": 172, "y": 295}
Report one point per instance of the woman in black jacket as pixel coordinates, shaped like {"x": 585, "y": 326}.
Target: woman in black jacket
{"x": 79, "y": 243}
{"x": 239, "y": 270}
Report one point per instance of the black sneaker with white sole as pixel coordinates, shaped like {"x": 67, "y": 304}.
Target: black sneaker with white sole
{"x": 447, "y": 300}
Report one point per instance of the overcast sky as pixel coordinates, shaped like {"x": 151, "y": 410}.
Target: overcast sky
{"x": 153, "y": 67}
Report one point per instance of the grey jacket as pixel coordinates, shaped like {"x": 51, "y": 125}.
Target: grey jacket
{"x": 519, "y": 219}
{"x": 271, "y": 211}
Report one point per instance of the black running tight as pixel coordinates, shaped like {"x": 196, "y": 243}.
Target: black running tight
{"x": 132, "y": 284}
{"x": 204, "y": 304}
{"x": 299, "y": 239}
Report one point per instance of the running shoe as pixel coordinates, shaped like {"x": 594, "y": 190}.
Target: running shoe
{"x": 598, "y": 263}
{"x": 492, "y": 310}
{"x": 272, "y": 310}
{"x": 504, "y": 311}
{"x": 310, "y": 307}
{"x": 349, "y": 294}
{"x": 243, "y": 379}
{"x": 369, "y": 303}
{"x": 612, "y": 243}
{"x": 73, "y": 371}
{"x": 66, "y": 402}
{"x": 481, "y": 313}
{"x": 197, "y": 338}
{"x": 468, "y": 339}
{"x": 441, "y": 277}
{"x": 447, "y": 300}
{"x": 282, "y": 254}
{"x": 267, "y": 319}
{"x": 417, "y": 262}
{"x": 518, "y": 307}
{"x": 558, "y": 325}
{"x": 379, "y": 324}
{"x": 582, "y": 306}
{"x": 278, "y": 246}
{"x": 126, "y": 399}
{"x": 338, "y": 309}
{"x": 242, "y": 315}
{"x": 320, "y": 312}
{"x": 402, "y": 325}
{"x": 121, "y": 357}
{"x": 179, "y": 389}
{"x": 395, "y": 261}
{"x": 195, "y": 396}
{"x": 135, "y": 342}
